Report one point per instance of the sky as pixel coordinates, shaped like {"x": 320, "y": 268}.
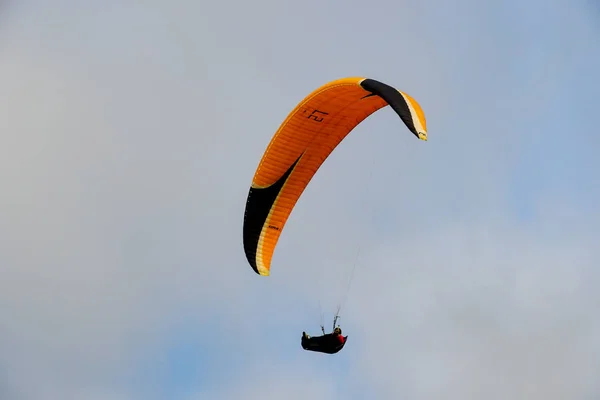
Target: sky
{"x": 129, "y": 135}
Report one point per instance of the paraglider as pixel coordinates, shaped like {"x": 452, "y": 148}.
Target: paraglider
{"x": 300, "y": 146}
{"x": 328, "y": 343}
{"x": 305, "y": 139}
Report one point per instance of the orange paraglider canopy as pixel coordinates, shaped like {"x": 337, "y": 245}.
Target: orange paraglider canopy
{"x": 300, "y": 146}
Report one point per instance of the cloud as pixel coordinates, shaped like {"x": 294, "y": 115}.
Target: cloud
{"x": 503, "y": 314}
{"x": 130, "y": 134}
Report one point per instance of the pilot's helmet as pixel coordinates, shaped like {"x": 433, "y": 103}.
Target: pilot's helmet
{"x": 337, "y": 330}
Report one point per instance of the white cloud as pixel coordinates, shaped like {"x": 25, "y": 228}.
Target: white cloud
{"x": 481, "y": 311}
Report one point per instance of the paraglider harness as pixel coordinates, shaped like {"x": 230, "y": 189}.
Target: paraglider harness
{"x": 328, "y": 343}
